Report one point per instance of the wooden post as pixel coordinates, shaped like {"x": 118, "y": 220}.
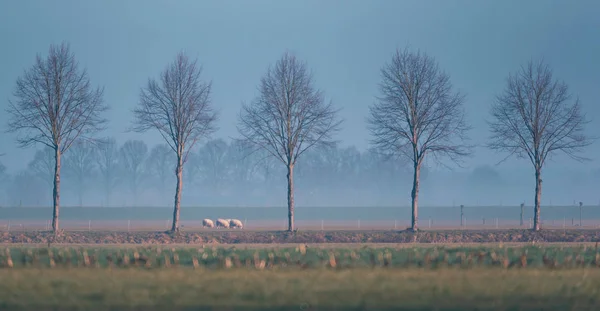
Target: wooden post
{"x": 580, "y": 208}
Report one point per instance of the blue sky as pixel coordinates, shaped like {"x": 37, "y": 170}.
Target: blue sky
{"x": 345, "y": 43}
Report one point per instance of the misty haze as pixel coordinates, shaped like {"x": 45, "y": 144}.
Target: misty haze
{"x": 348, "y": 178}
{"x": 300, "y": 155}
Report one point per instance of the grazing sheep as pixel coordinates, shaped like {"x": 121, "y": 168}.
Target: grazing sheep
{"x": 207, "y": 223}
{"x": 235, "y": 223}
{"x": 222, "y": 223}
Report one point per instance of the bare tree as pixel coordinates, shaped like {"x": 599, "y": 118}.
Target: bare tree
{"x": 107, "y": 161}
{"x": 418, "y": 114}
{"x": 55, "y": 106}
{"x": 288, "y": 117}
{"x": 178, "y": 106}
{"x": 534, "y": 118}
{"x": 132, "y": 156}
{"x": 80, "y": 165}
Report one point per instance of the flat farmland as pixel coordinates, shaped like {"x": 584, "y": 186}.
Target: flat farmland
{"x": 301, "y": 277}
{"x": 307, "y": 218}
{"x": 16, "y": 225}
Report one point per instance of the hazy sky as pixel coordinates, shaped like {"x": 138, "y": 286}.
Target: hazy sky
{"x": 345, "y": 43}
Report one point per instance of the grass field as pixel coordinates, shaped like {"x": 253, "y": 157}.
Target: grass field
{"x": 358, "y": 289}
{"x": 300, "y": 277}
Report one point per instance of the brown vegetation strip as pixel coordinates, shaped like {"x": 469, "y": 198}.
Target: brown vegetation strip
{"x": 277, "y": 237}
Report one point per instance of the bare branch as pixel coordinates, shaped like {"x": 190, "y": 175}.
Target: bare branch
{"x": 289, "y": 116}
{"x": 55, "y": 104}
{"x": 178, "y": 106}
{"x": 417, "y": 112}
{"x": 533, "y": 117}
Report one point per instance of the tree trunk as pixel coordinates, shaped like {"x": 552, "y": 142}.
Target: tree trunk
{"x": 538, "y": 199}
{"x": 290, "y": 197}
{"x": 56, "y": 190}
{"x": 415, "y": 197}
{"x": 177, "y": 207}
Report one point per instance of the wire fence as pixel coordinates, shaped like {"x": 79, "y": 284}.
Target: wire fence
{"x": 17, "y": 225}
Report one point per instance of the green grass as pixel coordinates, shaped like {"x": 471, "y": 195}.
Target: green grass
{"x": 357, "y": 289}
{"x": 431, "y": 278}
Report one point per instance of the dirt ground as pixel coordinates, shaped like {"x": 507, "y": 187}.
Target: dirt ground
{"x": 275, "y": 225}
{"x": 282, "y": 237}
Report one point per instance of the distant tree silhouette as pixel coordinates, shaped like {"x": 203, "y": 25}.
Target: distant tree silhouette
{"x": 160, "y": 164}
{"x": 107, "y": 162}
{"x": 80, "y": 165}
{"x": 132, "y": 156}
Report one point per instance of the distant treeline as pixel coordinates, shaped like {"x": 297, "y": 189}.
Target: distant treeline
{"x": 220, "y": 173}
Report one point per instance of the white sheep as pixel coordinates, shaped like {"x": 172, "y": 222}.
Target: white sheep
{"x": 222, "y": 223}
{"x": 207, "y": 223}
{"x": 235, "y": 223}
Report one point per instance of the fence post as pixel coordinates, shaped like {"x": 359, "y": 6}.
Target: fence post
{"x": 128, "y": 225}
{"x": 321, "y": 224}
{"x": 89, "y": 225}
{"x": 429, "y": 222}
